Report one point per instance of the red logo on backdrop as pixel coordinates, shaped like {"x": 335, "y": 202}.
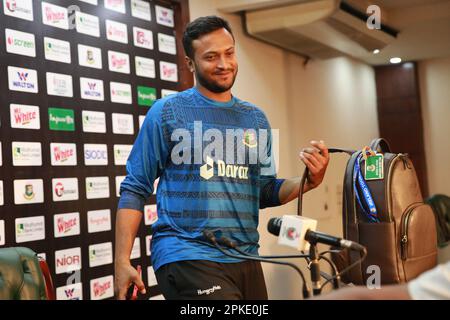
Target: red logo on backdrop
{"x": 53, "y": 16}
{"x": 22, "y": 117}
{"x": 92, "y": 85}
{"x": 59, "y": 189}
{"x": 140, "y": 37}
{"x": 68, "y": 261}
{"x": 167, "y": 71}
{"x": 66, "y": 226}
{"x": 152, "y": 215}
{"x": 101, "y": 288}
{"x": 11, "y": 5}
{"x": 62, "y": 155}
{"x": 117, "y": 62}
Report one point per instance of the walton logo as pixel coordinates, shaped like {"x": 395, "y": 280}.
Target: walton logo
{"x": 223, "y": 170}
{"x": 70, "y": 294}
{"x": 92, "y": 85}
{"x": 22, "y": 76}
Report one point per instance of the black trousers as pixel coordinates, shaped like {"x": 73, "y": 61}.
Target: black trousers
{"x": 207, "y": 280}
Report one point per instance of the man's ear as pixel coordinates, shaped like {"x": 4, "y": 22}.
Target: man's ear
{"x": 190, "y": 64}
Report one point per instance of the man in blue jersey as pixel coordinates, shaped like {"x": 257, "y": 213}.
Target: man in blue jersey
{"x": 212, "y": 153}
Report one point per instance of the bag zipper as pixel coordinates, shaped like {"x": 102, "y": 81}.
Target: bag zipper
{"x": 404, "y": 236}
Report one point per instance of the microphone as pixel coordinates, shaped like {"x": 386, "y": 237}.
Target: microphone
{"x": 294, "y": 230}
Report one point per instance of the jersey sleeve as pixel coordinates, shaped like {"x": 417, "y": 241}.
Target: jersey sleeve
{"x": 146, "y": 161}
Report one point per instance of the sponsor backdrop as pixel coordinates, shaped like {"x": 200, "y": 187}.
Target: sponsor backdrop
{"x": 77, "y": 78}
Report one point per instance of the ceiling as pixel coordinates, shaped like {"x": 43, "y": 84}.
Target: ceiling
{"x": 423, "y": 25}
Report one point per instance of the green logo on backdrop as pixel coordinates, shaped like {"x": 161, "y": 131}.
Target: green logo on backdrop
{"x": 61, "y": 119}
{"x": 146, "y": 96}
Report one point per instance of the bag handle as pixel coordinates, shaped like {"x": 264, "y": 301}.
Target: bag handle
{"x": 381, "y": 145}
{"x": 305, "y": 175}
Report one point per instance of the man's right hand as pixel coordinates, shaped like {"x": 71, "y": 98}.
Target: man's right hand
{"x": 125, "y": 276}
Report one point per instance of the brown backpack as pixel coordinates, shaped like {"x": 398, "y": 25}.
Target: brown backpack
{"x": 403, "y": 242}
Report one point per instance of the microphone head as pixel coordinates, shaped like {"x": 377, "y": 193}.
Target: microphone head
{"x": 274, "y": 226}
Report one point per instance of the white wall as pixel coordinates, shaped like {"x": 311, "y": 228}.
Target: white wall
{"x": 333, "y": 100}
{"x": 434, "y": 77}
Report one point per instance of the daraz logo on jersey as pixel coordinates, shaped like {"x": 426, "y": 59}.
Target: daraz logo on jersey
{"x": 234, "y": 150}
{"x": 223, "y": 170}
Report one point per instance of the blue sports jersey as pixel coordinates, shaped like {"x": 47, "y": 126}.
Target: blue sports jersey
{"x": 201, "y": 186}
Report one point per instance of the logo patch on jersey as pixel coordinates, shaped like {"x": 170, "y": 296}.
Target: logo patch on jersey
{"x": 207, "y": 170}
{"x": 250, "y": 139}
{"x": 223, "y": 170}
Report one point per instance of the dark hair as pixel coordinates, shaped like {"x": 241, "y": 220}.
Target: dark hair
{"x": 200, "y": 27}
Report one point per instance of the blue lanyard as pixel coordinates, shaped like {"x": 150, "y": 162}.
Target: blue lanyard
{"x": 372, "y": 214}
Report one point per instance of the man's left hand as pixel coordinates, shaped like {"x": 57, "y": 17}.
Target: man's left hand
{"x": 316, "y": 158}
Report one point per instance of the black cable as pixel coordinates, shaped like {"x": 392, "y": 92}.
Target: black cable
{"x": 306, "y": 291}
{"x": 231, "y": 244}
{"x": 348, "y": 268}
{"x": 292, "y": 256}
{"x": 335, "y": 272}
{"x": 210, "y": 236}
{"x": 330, "y": 251}
{"x": 324, "y": 275}
{"x": 224, "y": 241}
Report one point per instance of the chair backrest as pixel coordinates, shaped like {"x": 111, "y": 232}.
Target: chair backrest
{"x": 49, "y": 287}
{"x": 21, "y": 276}
{"x": 441, "y": 208}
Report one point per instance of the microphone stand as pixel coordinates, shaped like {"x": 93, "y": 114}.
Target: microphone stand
{"x": 315, "y": 269}
{"x": 326, "y": 276}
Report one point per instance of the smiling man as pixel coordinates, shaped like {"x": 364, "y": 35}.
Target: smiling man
{"x": 213, "y": 155}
